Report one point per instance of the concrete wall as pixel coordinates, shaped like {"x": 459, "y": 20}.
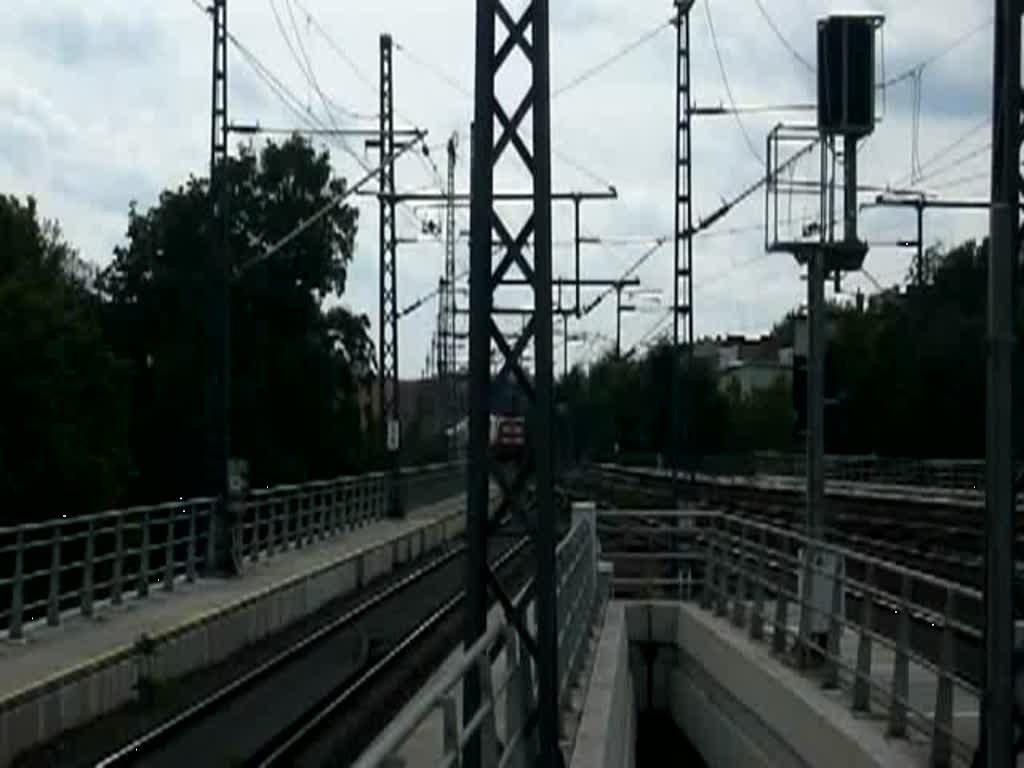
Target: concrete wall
{"x": 738, "y": 705}
{"x": 41, "y": 713}
{"x": 607, "y": 728}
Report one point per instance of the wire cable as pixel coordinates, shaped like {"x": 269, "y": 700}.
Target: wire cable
{"x": 782, "y": 38}
{"x": 305, "y": 224}
{"x": 292, "y": 102}
{"x": 644, "y": 258}
{"x": 596, "y": 69}
{"x": 449, "y": 80}
{"x": 952, "y": 46}
{"x": 940, "y": 154}
{"x": 369, "y": 83}
{"x": 956, "y": 163}
{"x": 728, "y": 89}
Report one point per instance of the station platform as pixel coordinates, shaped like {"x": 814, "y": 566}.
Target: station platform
{"x": 60, "y": 677}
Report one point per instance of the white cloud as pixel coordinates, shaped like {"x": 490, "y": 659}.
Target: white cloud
{"x": 104, "y": 103}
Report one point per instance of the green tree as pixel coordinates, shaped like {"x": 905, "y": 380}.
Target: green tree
{"x": 62, "y": 437}
{"x": 911, "y": 371}
{"x": 761, "y": 420}
{"x": 298, "y": 356}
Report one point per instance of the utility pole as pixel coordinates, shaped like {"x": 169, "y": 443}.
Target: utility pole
{"x": 565, "y": 332}
{"x": 1004, "y": 251}
{"x": 618, "y": 320}
{"x": 448, "y": 369}
{"x": 682, "y": 262}
{"x": 219, "y": 299}
{"x": 388, "y": 373}
{"x": 621, "y": 309}
{"x": 920, "y": 204}
{"x": 524, "y": 149}
{"x": 846, "y": 110}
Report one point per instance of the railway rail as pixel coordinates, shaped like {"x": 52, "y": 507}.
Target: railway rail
{"x": 937, "y": 530}
{"x": 322, "y": 697}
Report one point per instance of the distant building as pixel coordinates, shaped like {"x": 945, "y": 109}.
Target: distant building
{"x": 751, "y": 363}
{"x": 420, "y": 404}
{"x": 755, "y": 375}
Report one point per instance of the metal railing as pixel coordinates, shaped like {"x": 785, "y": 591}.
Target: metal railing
{"x": 852, "y": 621}
{"x": 504, "y": 667}
{"x": 949, "y": 474}
{"x": 69, "y": 565}
{"x": 953, "y": 474}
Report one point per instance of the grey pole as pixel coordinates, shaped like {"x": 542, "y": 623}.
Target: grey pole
{"x": 998, "y": 707}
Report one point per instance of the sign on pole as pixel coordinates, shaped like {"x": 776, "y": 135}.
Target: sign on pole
{"x": 394, "y": 433}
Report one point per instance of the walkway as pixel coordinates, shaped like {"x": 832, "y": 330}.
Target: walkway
{"x": 66, "y": 660}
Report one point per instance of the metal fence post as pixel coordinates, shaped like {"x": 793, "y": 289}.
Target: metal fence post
{"x": 835, "y": 625}
{"x": 53, "y": 598}
{"x": 300, "y": 520}
{"x": 516, "y": 714}
{"x": 143, "y": 588}
{"x": 809, "y": 573}
{"x": 169, "y": 552}
{"x": 117, "y": 577}
{"x": 255, "y": 505}
{"x": 281, "y": 513}
{"x": 739, "y": 604}
{"x": 780, "y": 626}
{"x": 488, "y": 728}
{"x": 942, "y": 734}
{"x": 379, "y": 491}
{"x": 319, "y": 514}
{"x": 901, "y": 665}
{"x": 450, "y": 730}
{"x": 335, "y": 526}
{"x": 211, "y": 541}
{"x": 707, "y": 595}
{"x": 724, "y": 567}
{"x": 356, "y": 496}
{"x": 190, "y": 555}
{"x": 862, "y": 677}
{"x": 88, "y": 563}
{"x": 18, "y": 587}
{"x": 757, "y": 609}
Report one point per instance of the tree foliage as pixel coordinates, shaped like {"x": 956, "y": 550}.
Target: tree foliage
{"x": 911, "y": 370}
{"x": 297, "y": 356}
{"x": 909, "y": 381}
{"x": 622, "y": 407}
{"x": 107, "y": 372}
{"x": 62, "y": 436}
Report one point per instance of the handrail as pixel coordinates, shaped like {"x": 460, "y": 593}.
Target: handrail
{"x": 49, "y": 568}
{"x": 744, "y": 571}
{"x": 576, "y": 556}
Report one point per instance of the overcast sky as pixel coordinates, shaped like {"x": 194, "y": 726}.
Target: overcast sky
{"x": 104, "y": 102}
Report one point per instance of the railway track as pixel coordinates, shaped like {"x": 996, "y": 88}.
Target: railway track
{"x": 321, "y": 700}
{"x": 934, "y": 530}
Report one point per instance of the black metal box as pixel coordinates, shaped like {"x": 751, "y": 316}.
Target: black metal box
{"x": 846, "y": 74}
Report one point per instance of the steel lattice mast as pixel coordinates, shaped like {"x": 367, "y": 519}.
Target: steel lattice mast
{"x": 388, "y": 370}
{"x": 682, "y": 264}
{"x": 524, "y": 149}
{"x": 449, "y": 350}
{"x": 218, "y": 396}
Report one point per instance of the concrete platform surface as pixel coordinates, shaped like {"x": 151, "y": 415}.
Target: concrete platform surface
{"x": 922, "y": 688}
{"x": 59, "y": 677}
